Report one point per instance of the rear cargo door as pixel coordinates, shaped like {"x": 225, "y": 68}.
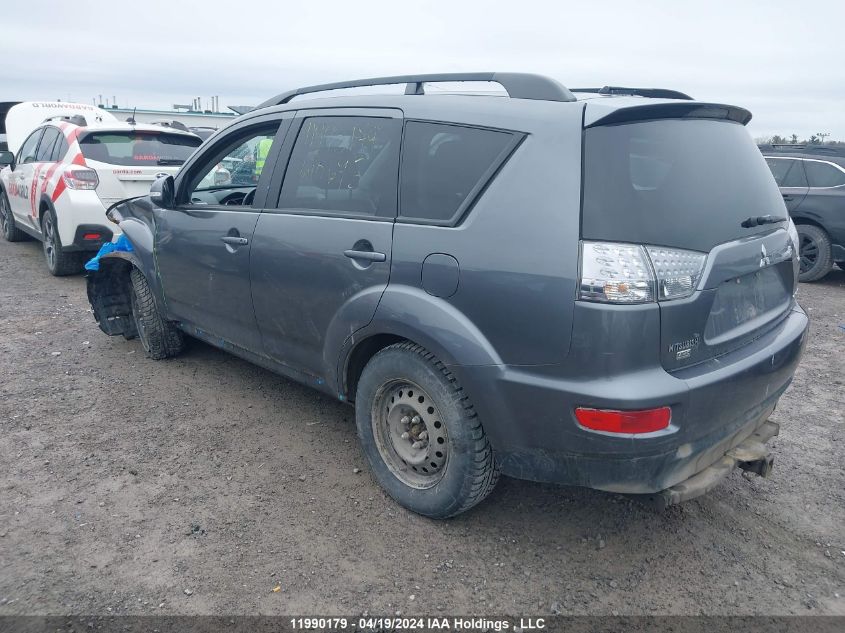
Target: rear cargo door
{"x": 127, "y": 162}
{"x": 694, "y": 184}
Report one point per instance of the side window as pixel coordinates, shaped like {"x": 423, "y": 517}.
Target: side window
{"x": 443, "y": 164}
{"x": 230, "y": 174}
{"x": 795, "y": 177}
{"x": 823, "y": 174}
{"x": 344, "y": 165}
{"x": 779, "y": 168}
{"x": 26, "y": 154}
{"x": 45, "y": 147}
{"x": 59, "y": 149}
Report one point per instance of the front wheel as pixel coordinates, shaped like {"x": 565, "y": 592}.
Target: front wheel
{"x": 814, "y": 252}
{"x": 421, "y": 435}
{"x": 160, "y": 338}
{"x": 7, "y": 221}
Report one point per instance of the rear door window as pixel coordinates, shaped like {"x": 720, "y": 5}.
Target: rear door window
{"x": 138, "y": 148}
{"x": 821, "y": 174}
{"x": 45, "y": 147}
{"x": 788, "y": 172}
{"x": 345, "y": 165}
{"x": 444, "y": 166}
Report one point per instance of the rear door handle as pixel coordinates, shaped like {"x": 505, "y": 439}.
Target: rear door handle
{"x": 370, "y": 256}
{"x": 234, "y": 241}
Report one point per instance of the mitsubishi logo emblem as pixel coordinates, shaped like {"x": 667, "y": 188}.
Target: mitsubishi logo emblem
{"x": 764, "y": 257}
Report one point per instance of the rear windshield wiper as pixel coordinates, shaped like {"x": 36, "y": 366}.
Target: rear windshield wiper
{"x": 170, "y": 161}
{"x": 760, "y": 219}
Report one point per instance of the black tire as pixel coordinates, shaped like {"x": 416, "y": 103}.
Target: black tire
{"x": 7, "y": 221}
{"x": 814, "y": 251}
{"x": 160, "y": 338}
{"x": 460, "y": 476}
{"x": 60, "y": 263}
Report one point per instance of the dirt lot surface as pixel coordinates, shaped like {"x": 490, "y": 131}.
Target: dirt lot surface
{"x": 200, "y": 484}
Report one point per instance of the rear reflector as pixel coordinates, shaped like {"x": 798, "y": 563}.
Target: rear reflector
{"x": 610, "y": 421}
{"x": 91, "y": 236}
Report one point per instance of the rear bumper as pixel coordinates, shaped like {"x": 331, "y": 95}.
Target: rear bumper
{"x": 89, "y": 237}
{"x": 529, "y": 414}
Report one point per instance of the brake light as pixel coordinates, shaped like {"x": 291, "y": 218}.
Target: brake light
{"x": 81, "y": 178}
{"x": 633, "y": 273}
{"x": 91, "y": 236}
{"x": 627, "y": 422}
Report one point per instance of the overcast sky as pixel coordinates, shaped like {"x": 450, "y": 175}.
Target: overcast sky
{"x": 783, "y": 60}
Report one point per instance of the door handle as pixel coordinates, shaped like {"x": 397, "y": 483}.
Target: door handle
{"x": 234, "y": 240}
{"x": 370, "y": 256}
{"x": 786, "y": 196}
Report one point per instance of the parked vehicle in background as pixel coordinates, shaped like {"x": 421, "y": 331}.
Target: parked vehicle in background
{"x": 812, "y": 181}
{"x": 546, "y": 286}
{"x": 60, "y": 177}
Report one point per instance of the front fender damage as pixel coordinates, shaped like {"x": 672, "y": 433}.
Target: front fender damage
{"x": 109, "y": 296}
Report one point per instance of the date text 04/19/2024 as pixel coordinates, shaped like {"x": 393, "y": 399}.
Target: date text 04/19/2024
{"x": 417, "y": 623}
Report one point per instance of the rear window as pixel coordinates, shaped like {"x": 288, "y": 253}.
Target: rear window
{"x": 684, "y": 183}
{"x": 138, "y": 148}
{"x": 442, "y": 165}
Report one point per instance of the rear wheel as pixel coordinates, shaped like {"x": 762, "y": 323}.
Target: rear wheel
{"x": 59, "y": 262}
{"x": 160, "y": 338}
{"x": 7, "y": 221}
{"x": 421, "y": 435}
{"x": 814, "y": 251}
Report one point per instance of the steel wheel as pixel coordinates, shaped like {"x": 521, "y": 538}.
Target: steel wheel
{"x": 409, "y": 434}
{"x": 809, "y": 253}
{"x": 50, "y": 245}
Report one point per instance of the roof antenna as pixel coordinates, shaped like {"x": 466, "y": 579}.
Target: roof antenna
{"x": 131, "y": 120}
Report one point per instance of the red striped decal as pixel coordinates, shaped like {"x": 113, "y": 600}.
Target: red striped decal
{"x": 49, "y": 175}
{"x": 60, "y": 187}
{"x": 79, "y": 159}
{"x": 34, "y": 188}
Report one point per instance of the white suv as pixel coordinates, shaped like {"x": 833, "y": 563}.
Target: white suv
{"x": 57, "y": 185}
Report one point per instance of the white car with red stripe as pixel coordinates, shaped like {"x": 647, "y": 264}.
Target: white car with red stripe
{"x": 67, "y": 164}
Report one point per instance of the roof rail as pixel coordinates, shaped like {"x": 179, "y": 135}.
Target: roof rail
{"x": 517, "y": 85}
{"x": 75, "y": 119}
{"x": 652, "y": 93}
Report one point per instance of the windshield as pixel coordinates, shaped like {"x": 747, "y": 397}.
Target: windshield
{"x": 138, "y": 148}
{"x": 685, "y": 183}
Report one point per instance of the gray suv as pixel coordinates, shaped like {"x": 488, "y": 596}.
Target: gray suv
{"x": 536, "y": 284}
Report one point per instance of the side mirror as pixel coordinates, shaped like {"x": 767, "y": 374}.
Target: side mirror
{"x": 163, "y": 192}
{"x": 7, "y": 159}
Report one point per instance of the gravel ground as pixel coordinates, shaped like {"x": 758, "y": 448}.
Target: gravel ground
{"x": 201, "y": 484}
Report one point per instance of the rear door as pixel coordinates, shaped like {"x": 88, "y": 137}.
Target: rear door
{"x": 694, "y": 184}
{"x": 321, "y": 254}
{"x": 790, "y": 177}
{"x": 203, "y": 246}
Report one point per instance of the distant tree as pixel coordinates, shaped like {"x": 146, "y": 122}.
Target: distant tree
{"x": 777, "y": 139}
{"x": 794, "y": 138}
{"x": 814, "y": 140}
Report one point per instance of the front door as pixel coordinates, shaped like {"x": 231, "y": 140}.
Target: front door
{"x": 203, "y": 245}
{"x": 23, "y": 197}
{"x": 321, "y": 256}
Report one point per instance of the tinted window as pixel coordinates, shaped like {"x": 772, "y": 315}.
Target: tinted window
{"x": 823, "y": 174}
{"x": 344, "y": 165}
{"x": 45, "y": 148}
{"x": 59, "y": 149}
{"x": 795, "y": 177}
{"x": 443, "y": 164}
{"x": 684, "y": 183}
{"x": 138, "y": 148}
{"x": 26, "y": 154}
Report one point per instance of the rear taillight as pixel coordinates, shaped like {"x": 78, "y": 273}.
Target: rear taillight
{"x": 626, "y": 422}
{"x": 81, "y": 179}
{"x": 632, "y": 273}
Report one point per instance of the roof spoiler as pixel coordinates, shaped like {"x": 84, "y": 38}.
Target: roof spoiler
{"x": 680, "y": 110}
{"x": 652, "y": 93}
{"x": 75, "y": 119}
{"x": 517, "y": 85}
